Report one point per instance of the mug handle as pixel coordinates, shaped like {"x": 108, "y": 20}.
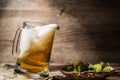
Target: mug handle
{"x": 16, "y": 42}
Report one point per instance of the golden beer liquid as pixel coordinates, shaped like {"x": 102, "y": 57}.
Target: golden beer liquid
{"x": 37, "y": 58}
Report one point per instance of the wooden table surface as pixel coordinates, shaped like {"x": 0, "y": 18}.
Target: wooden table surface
{"x": 6, "y": 72}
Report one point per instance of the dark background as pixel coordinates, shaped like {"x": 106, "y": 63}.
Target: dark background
{"x": 89, "y": 29}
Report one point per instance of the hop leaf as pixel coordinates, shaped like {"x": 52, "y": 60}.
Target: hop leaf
{"x": 107, "y": 69}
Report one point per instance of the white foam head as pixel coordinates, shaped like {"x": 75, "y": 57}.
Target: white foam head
{"x": 30, "y": 35}
{"x": 53, "y": 26}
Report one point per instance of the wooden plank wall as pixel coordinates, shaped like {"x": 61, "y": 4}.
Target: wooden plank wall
{"x": 89, "y": 29}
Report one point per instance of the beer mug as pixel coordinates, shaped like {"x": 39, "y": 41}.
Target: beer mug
{"x": 33, "y": 45}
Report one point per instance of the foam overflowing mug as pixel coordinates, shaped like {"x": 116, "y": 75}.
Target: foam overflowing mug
{"x": 33, "y": 45}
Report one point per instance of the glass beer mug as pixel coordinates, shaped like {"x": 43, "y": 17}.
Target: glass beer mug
{"x": 33, "y": 45}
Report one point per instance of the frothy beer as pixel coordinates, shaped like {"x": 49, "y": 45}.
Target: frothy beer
{"x": 35, "y": 48}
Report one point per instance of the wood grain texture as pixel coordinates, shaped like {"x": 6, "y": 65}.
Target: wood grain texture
{"x": 89, "y": 29}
